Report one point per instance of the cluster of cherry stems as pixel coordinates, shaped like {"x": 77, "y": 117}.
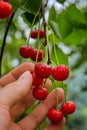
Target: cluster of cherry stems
{"x": 42, "y": 71}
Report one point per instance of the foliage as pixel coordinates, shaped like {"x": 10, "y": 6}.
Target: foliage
{"x": 67, "y": 29}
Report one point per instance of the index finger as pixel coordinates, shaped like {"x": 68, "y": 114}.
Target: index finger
{"x": 15, "y": 73}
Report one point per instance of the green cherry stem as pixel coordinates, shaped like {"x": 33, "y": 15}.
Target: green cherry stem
{"x": 56, "y": 96}
{"x": 65, "y": 99}
{"x": 54, "y": 46}
{"x": 33, "y": 24}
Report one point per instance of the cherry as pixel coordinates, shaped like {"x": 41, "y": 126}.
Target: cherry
{"x": 68, "y": 107}
{"x": 26, "y": 51}
{"x": 40, "y": 93}
{"x": 37, "y": 34}
{"x": 60, "y": 72}
{"x": 55, "y": 115}
{"x": 42, "y": 34}
{"x": 36, "y": 81}
{"x": 42, "y": 70}
{"x": 5, "y": 9}
{"x": 37, "y": 55}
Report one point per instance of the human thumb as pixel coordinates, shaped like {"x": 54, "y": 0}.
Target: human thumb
{"x": 15, "y": 91}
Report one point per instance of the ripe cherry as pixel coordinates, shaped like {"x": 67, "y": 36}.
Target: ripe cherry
{"x": 5, "y": 9}
{"x": 36, "y": 81}
{"x": 42, "y": 70}
{"x": 55, "y": 115}
{"x": 37, "y": 55}
{"x": 42, "y": 33}
{"x": 68, "y": 107}
{"x": 60, "y": 72}
{"x": 40, "y": 93}
{"x": 37, "y": 34}
{"x": 26, "y": 51}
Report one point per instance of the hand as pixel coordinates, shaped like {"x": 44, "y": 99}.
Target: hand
{"x": 16, "y": 96}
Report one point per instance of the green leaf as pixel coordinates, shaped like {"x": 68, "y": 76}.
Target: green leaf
{"x": 31, "y": 6}
{"x": 61, "y": 1}
{"x": 52, "y": 14}
{"x": 54, "y": 27}
{"x": 52, "y": 39}
{"x": 64, "y": 26}
{"x": 76, "y": 37}
{"x": 75, "y": 16}
{"x": 15, "y": 4}
{"x": 59, "y": 23}
{"x": 61, "y": 57}
{"x": 28, "y": 18}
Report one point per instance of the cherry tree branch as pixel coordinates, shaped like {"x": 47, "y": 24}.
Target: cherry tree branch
{"x": 45, "y": 25}
{"x": 4, "y": 42}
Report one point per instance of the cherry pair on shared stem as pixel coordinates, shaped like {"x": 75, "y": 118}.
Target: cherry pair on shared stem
{"x": 30, "y": 52}
{"x": 37, "y": 34}
{"x": 55, "y": 116}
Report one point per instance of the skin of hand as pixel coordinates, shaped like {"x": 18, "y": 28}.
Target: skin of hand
{"x": 16, "y": 96}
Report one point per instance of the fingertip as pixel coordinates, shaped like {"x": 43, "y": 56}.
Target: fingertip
{"x": 57, "y": 126}
{"x": 61, "y": 94}
{"x": 26, "y": 66}
{"x": 48, "y": 83}
{"x": 25, "y": 76}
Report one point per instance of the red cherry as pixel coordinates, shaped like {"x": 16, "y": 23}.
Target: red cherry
{"x": 37, "y": 55}
{"x": 40, "y": 93}
{"x": 26, "y": 51}
{"x": 36, "y": 81}
{"x": 42, "y": 70}
{"x": 37, "y": 34}
{"x": 69, "y": 107}
{"x": 60, "y": 72}
{"x": 42, "y": 34}
{"x": 5, "y": 9}
{"x": 55, "y": 115}
{"x": 34, "y": 34}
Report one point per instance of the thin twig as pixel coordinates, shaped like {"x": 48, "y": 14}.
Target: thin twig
{"x": 44, "y": 22}
{"x": 4, "y": 41}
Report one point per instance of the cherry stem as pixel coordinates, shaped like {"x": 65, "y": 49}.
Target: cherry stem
{"x": 45, "y": 30}
{"x": 46, "y": 3}
{"x": 4, "y": 42}
{"x": 64, "y": 93}
{"x": 54, "y": 47}
{"x": 33, "y": 23}
{"x": 56, "y": 96}
{"x": 44, "y": 22}
{"x": 44, "y": 82}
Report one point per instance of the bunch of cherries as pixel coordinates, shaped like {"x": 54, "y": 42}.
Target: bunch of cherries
{"x": 43, "y": 71}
